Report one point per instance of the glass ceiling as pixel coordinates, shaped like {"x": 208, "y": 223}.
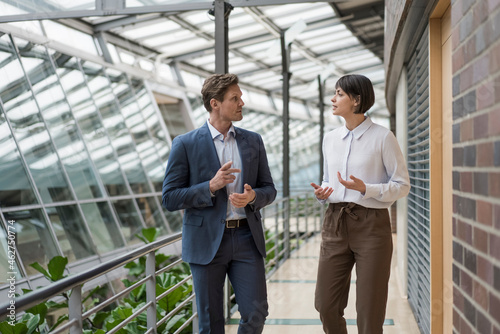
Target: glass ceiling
{"x": 151, "y": 34}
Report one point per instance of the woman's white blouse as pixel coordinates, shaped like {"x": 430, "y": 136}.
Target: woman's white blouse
{"x": 371, "y": 153}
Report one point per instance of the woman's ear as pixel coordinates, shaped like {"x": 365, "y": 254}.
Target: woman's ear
{"x": 357, "y": 100}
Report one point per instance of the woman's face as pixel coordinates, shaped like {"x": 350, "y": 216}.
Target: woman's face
{"x": 343, "y": 104}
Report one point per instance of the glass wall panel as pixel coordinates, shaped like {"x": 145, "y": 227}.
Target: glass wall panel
{"x": 71, "y": 233}
{"x": 68, "y": 36}
{"x": 103, "y": 227}
{"x": 121, "y": 139}
{"x": 138, "y": 126}
{"x": 87, "y": 117}
{"x": 199, "y": 112}
{"x": 15, "y": 188}
{"x": 8, "y": 251}
{"x": 304, "y": 154}
{"x": 60, "y": 122}
{"x": 35, "y": 241}
{"x": 130, "y": 220}
{"x": 174, "y": 219}
{"x": 29, "y": 129}
{"x": 151, "y": 213}
{"x": 153, "y": 121}
{"x": 172, "y": 114}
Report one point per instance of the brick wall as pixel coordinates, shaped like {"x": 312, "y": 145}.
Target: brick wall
{"x": 476, "y": 162}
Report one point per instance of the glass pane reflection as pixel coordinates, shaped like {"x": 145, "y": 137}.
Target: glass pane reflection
{"x": 158, "y": 142}
{"x": 151, "y": 213}
{"x": 138, "y": 125}
{"x": 35, "y": 242}
{"x": 15, "y": 188}
{"x": 87, "y": 116}
{"x": 130, "y": 220}
{"x": 8, "y": 266}
{"x": 29, "y": 129}
{"x": 61, "y": 124}
{"x": 103, "y": 227}
{"x": 113, "y": 120}
{"x": 174, "y": 219}
{"x": 71, "y": 233}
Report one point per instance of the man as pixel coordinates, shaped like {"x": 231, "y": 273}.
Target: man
{"x": 219, "y": 175}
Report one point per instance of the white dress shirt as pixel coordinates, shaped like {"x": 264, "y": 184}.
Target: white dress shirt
{"x": 371, "y": 153}
{"x": 227, "y": 150}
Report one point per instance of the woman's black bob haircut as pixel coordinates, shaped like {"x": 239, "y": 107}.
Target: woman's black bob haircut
{"x": 358, "y": 87}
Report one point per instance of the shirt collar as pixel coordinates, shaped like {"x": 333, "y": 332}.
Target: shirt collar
{"x": 215, "y": 133}
{"x": 359, "y": 130}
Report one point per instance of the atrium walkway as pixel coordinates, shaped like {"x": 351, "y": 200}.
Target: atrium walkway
{"x": 291, "y": 299}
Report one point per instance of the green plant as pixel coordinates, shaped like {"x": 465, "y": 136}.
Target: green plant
{"x": 35, "y": 319}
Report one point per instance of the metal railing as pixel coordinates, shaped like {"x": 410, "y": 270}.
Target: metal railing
{"x": 287, "y": 224}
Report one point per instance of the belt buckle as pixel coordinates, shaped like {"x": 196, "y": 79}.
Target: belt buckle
{"x": 232, "y": 223}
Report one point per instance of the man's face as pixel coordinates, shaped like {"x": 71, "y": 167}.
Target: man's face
{"x": 231, "y": 108}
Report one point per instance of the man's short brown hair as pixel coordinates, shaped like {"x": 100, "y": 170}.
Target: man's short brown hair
{"x": 215, "y": 87}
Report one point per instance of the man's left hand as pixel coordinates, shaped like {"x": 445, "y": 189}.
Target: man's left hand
{"x": 354, "y": 184}
{"x": 241, "y": 200}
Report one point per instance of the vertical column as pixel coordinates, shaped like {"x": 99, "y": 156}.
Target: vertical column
{"x": 285, "y": 63}
{"x": 221, "y": 12}
{"x": 321, "y": 107}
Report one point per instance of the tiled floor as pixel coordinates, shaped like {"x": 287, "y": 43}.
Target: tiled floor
{"x": 291, "y": 300}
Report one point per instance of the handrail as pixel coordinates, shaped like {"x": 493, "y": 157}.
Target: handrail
{"x": 41, "y": 295}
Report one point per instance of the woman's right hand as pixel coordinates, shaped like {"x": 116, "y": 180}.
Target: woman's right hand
{"x": 321, "y": 193}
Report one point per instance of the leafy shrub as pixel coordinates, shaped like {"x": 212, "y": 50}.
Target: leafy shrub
{"x": 37, "y": 320}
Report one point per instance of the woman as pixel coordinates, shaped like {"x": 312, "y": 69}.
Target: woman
{"x": 364, "y": 173}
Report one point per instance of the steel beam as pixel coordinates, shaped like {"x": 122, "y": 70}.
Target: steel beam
{"x": 182, "y": 7}
{"x": 126, "y": 21}
{"x": 104, "y": 48}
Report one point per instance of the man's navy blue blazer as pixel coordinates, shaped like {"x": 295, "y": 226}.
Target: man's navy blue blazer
{"x": 193, "y": 161}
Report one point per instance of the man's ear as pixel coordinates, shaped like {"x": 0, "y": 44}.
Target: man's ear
{"x": 214, "y": 103}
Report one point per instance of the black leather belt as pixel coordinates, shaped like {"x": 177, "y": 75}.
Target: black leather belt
{"x": 235, "y": 223}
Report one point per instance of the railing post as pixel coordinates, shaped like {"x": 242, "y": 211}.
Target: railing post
{"x": 75, "y": 309}
{"x": 276, "y": 223}
{"x": 196, "y": 327}
{"x": 151, "y": 290}
{"x": 297, "y": 219}
{"x": 286, "y": 229}
{"x": 227, "y": 299}
{"x": 306, "y": 215}
{"x": 277, "y": 241}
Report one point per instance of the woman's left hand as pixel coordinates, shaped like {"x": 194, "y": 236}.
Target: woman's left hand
{"x": 354, "y": 184}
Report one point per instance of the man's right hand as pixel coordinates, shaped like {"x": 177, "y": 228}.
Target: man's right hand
{"x": 224, "y": 176}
